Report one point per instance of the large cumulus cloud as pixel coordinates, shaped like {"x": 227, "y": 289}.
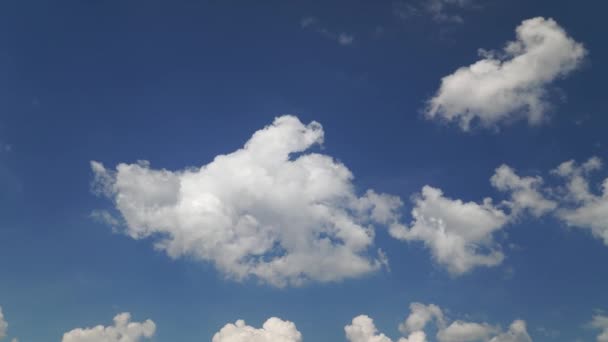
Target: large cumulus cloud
{"x": 509, "y": 84}
{"x": 272, "y": 209}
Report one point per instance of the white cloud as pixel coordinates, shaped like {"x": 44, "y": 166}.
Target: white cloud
{"x": 460, "y": 331}
{"x": 509, "y": 84}
{"x": 581, "y": 207}
{"x": 459, "y": 234}
{"x": 363, "y": 329}
{"x": 269, "y": 210}
{"x": 123, "y": 330}
{"x": 517, "y": 333}
{"x": 525, "y": 191}
{"x": 313, "y": 24}
{"x": 3, "y": 325}
{"x": 601, "y": 322}
{"x": 420, "y": 316}
{"x": 273, "y": 330}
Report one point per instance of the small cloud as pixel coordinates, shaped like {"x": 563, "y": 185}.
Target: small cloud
{"x": 313, "y": 24}
{"x": 308, "y": 21}
{"x": 104, "y": 217}
{"x": 440, "y": 11}
{"x": 5, "y": 147}
{"x": 345, "y": 39}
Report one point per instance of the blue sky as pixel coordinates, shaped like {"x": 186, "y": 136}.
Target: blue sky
{"x": 179, "y": 83}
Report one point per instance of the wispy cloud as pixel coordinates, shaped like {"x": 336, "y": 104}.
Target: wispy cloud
{"x": 313, "y": 24}
{"x": 440, "y": 11}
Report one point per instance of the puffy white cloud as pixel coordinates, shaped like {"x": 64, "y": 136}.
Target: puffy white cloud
{"x": 509, "y": 84}
{"x": 269, "y": 210}
{"x": 420, "y": 316}
{"x": 517, "y": 333}
{"x": 273, "y": 330}
{"x": 3, "y": 325}
{"x": 460, "y": 331}
{"x": 362, "y": 328}
{"x": 525, "y": 191}
{"x": 581, "y": 207}
{"x": 459, "y": 234}
{"x": 601, "y": 322}
{"x": 123, "y": 330}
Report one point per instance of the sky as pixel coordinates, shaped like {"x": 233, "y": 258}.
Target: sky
{"x": 287, "y": 171}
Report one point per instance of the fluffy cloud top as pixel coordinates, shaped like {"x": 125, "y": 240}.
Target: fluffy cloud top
{"x": 509, "y": 84}
{"x": 3, "y": 325}
{"x": 362, "y": 328}
{"x": 273, "y": 330}
{"x": 459, "y": 234}
{"x": 123, "y": 330}
{"x": 420, "y": 316}
{"x": 269, "y": 210}
{"x": 517, "y": 333}
{"x": 525, "y": 191}
{"x": 601, "y": 322}
{"x": 460, "y": 331}
{"x": 583, "y": 208}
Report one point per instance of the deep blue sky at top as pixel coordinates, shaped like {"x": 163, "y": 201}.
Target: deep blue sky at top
{"x": 178, "y": 82}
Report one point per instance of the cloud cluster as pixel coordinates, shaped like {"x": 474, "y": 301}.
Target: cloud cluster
{"x": 575, "y": 203}
{"x": 362, "y": 328}
{"x": 582, "y": 207}
{"x": 123, "y": 330}
{"x": 601, "y": 322}
{"x": 459, "y": 234}
{"x": 526, "y": 192}
{"x": 273, "y": 330}
{"x": 275, "y": 211}
{"x": 270, "y": 210}
{"x": 509, "y": 84}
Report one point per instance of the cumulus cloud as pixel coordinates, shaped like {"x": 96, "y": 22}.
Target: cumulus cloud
{"x": 363, "y": 329}
{"x": 601, "y": 322}
{"x": 582, "y": 208}
{"x": 273, "y": 330}
{"x": 517, "y": 333}
{"x": 461, "y": 331}
{"x": 3, "y": 325}
{"x": 270, "y": 210}
{"x": 512, "y": 83}
{"x": 420, "y": 316}
{"x": 459, "y": 234}
{"x": 123, "y": 330}
{"x": 525, "y": 191}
